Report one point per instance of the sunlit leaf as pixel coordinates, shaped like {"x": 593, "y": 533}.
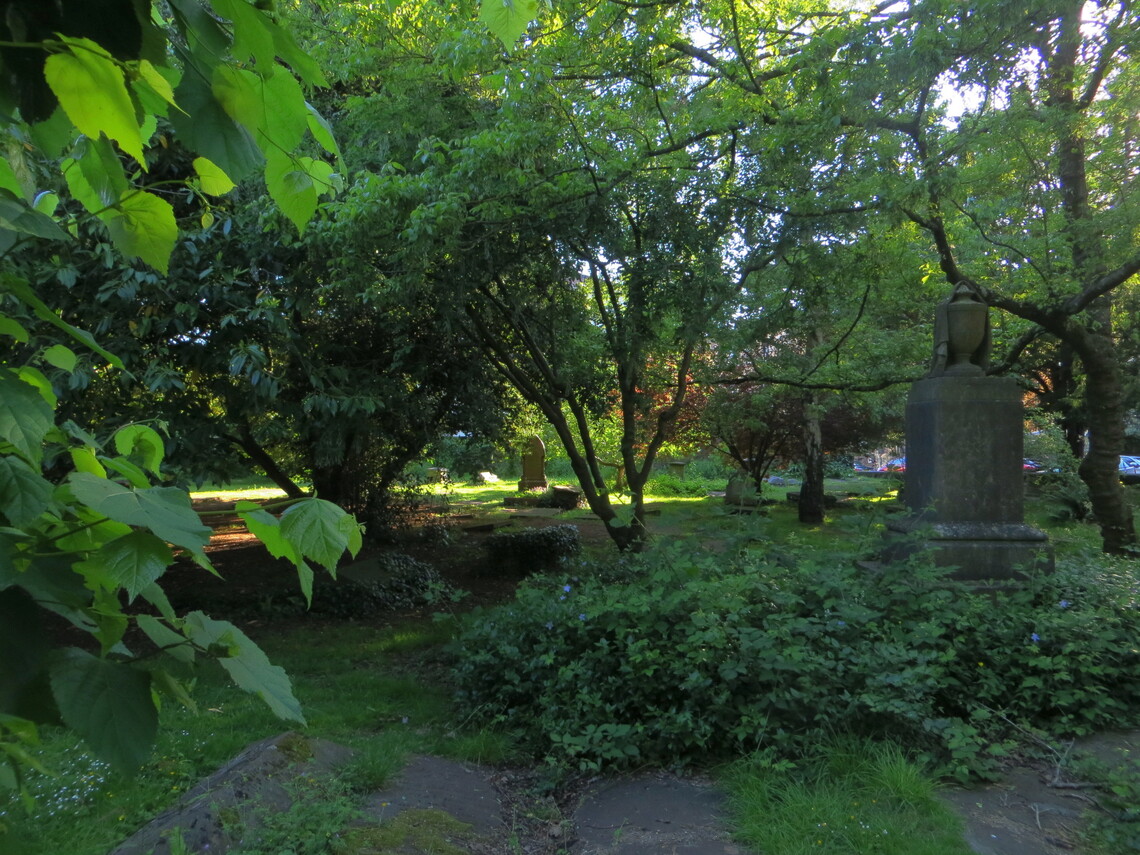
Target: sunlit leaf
{"x": 508, "y": 19}
{"x": 61, "y": 356}
{"x": 212, "y": 178}
{"x": 143, "y": 225}
{"x": 24, "y": 493}
{"x": 25, "y": 417}
{"x": 93, "y": 92}
{"x": 248, "y": 666}
{"x": 142, "y": 442}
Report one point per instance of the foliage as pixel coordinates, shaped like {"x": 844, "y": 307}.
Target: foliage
{"x": 402, "y": 582}
{"x": 667, "y": 484}
{"x": 86, "y": 548}
{"x": 531, "y": 548}
{"x": 699, "y": 657}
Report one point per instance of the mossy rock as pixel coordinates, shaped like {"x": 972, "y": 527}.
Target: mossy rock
{"x": 412, "y": 832}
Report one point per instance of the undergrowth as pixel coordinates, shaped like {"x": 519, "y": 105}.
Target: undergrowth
{"x": 681, "y": 657}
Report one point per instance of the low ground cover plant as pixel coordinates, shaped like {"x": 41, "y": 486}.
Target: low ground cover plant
{"x": 682, "y": 657}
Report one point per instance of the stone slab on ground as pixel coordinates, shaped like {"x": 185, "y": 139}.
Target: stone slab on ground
{"x": 657, "y": 814}
{"x": 432, "y": 783}
{"x": 213, "y": 814}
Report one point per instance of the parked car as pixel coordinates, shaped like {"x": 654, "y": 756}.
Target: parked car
{"x": 1031, "y": 465}
{"x": 896, "y": 465}
{"x": 1129, "y": 469}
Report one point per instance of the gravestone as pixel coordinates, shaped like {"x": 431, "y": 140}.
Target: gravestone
{"x": 436, "y": 475}
{"x": 677, "y": 469}
{"x": 619, "y": 474}
{"x": 533, "y": 465}
{"x": 963, "y": 486}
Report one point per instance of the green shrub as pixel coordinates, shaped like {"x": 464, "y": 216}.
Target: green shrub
{"x": 667, "y": 484}
{"x": 681, "y": 658}
{"x": 532, "y": 548}
{"x": 402, "y": 583}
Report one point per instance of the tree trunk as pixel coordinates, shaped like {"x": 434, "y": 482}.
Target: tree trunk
{"x": 260, "y": 457}
{"x": 811, "y": 491}
{"x": 1104, "y": 405}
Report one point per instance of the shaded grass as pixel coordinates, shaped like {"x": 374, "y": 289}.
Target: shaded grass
{"x": 379, "y": 691}
{"x": 849, "y": 798}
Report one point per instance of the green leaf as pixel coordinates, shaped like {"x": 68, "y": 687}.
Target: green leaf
{"x": 154, "y": 595}
{"x": 93, "y": 92}
{"x": 13, "y": 328}
{"x": 24, "y": 493}
{"x": 143, "y": 225}
{"x": 214, "y": 181}
{"x": 131, "y": 562}
{"x": 247, "y": 665}
{"x": 173, "y": 643}
{"x": 317, "y": 529}
{"x": 96, "y": 178}
{"x": 19, "y": 216}
{"x": 157, "y": 83}
{"x": 508, "y": 19}
{"x": 61, "y": 356}
{"x": 46, "y": 202}
{"x": 272, "y": 108}
{"x": 143, "y": 443}
{"x": 292, "y": 189}
{"x": 9, "y": 181}
{"x": 84, "y": 460}
{"x": 301, "y": 62}
{"x": 165, "y": 511}
{"x": 266, "y": 528}
{"x": 322, "y": 131}
{"x": 210, "y": 132}
{"x": 108, "y": 704}
{"x": 134, "y": 474}
{"x": 25, "y": 417}
{"x": 35, "y": 377}
{"x": 251, "y": 37}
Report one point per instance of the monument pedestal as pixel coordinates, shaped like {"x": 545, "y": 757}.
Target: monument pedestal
{"x": 964, "y": 486}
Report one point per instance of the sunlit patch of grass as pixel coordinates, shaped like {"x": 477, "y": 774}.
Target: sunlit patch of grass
{"x": 848, "y": 799}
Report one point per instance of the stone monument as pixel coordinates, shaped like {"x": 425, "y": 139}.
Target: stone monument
{"x": 964, "y": 485}
{"x": 533, "y": 465}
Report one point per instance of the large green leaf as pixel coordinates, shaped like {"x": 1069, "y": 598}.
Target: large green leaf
{"x": 131, "y": 562}
{"x": 273, "y": 108}
{"x": 251, "y": 37}
{"x": 93, "y": 92}
{"x": 143, "y": 443}
{"x": 107, "y": 703}
{"x": 508, "y": 19}
{"x": 320, "y": 530}
{"x": 143, "y": 225}
{"x": 209, "y": 131}
{"x": 96, "y": 177}
{"x": 292, "y": 189}
{"x": 267, "y": 528}
{"x": 165, "y": 511}
{"x": 24, "y": 493}
{"x": 25, "y": 417}
{"x": 247, "y": 665}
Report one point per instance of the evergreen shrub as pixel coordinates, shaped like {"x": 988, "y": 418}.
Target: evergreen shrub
{"x": 682, "y": 657}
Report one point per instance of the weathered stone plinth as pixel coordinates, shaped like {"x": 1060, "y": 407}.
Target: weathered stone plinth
{"x": 964, "y": 488}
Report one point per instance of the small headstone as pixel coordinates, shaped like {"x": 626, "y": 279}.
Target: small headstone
{"x": 565, "y": 498}
{"x": 486, "y": 478}
{"x": 534, "y": 465}
{"x": 677, "y": 469}
{"x": 740, "y": 491}
{"x": 436, "y": 475}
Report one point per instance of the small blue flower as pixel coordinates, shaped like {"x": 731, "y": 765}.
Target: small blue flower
{"x": 1034, "y": 638}
{"x": 566, "y": 588}
{"x": 563, "y": 597}
{"x": 549, "y": 625}
{"x": 1064, "y": 604}
{"x": 841, "y": 623}
{"x": 581, "y": 617}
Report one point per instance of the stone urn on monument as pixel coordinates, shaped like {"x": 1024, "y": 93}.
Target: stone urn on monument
{"x": 964, "y": 485}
